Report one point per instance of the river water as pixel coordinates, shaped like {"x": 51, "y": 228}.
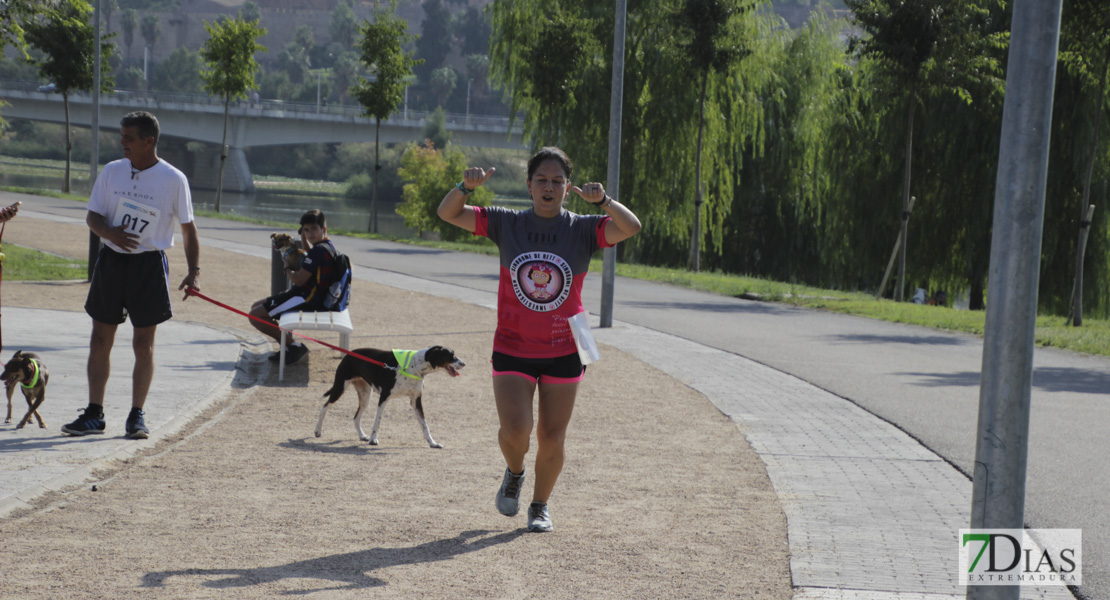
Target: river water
{"x": 341, "y": 213}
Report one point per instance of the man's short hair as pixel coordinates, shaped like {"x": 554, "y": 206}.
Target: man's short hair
{"x": 144, "y": 123}
{"x": 314, "y": 217}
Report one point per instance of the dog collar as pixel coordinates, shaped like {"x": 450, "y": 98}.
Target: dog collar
{"x": 34, "y": 378}
{"x": 404, "y": 361}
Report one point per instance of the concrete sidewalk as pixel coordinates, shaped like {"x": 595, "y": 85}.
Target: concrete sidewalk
{"x": 196, "y": 364}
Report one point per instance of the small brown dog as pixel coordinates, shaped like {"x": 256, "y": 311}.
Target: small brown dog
{"x": 290, "y": 253}
{"x": 26, "y": 371}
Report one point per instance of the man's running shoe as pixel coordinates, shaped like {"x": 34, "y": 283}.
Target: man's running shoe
{"x": 136, "y": 428}
{"x": 89, "y": 422}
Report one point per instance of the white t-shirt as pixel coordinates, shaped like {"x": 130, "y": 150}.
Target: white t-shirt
{"x": 147, "y": 202}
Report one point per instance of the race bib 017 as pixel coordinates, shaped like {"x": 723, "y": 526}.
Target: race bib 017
{"x": 136, "y": 218}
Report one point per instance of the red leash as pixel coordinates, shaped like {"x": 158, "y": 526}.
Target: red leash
{"x": 2, "y": 227}
{"x": 196, "y": 293}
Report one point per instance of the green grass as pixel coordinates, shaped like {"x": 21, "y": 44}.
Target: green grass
{"x": 289, "y": 185}
{"x": 1092, "y": 338}
{"x": 38, "y": 192}
{"x": 25, "y": 264}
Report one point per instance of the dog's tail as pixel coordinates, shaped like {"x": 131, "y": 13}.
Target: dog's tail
{"x": 340, "y": 384}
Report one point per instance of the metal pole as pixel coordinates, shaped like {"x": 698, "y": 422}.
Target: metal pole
{"x": 319, "y": 78}
{"x": 94, "y": 124}
{"x": 94, "y": 127}
{"x": 613, "y": 176}
{"x": 998, "y": 489}
{"x": 468, "y": 82}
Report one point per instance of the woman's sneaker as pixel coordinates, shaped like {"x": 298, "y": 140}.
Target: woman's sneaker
{"x": 539, "y": 517}
{"x": 88, "y": 422}
{"x": 136, "y": 428}
{"x": 508, "y": 496}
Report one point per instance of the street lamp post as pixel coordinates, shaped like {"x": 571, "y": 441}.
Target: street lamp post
{"x": 468, "y": 82}
{"x": 319, "y": 79}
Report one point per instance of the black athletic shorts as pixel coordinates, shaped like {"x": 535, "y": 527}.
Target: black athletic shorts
{"x": 290, "y": 300}
{"x": 561, "y": 369}
{"x": 130, "y": 284}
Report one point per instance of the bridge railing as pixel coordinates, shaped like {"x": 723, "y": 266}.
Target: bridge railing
{"x": 140, "y": 97}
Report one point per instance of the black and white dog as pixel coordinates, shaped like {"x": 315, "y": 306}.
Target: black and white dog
{"x": 403, "y": 375}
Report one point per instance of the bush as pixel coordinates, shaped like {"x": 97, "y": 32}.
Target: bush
{"x": 429, "y": 174}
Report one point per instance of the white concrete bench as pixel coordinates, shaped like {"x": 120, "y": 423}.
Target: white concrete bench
{"x": 316, "y": 321}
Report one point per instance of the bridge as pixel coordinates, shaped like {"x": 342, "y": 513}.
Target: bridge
{"x": 198, "y": 117}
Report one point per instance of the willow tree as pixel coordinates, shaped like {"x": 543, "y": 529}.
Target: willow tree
{"x": 66, "y": 38}
{"x": 559, "y": 89}
{"x": 230, "y": 70}
{"x": 381, "y": 46}
{"x": 1085, "y": 54}
{"x": 786, "y": 222}
{"x": 713, "y": 47}
{"x": 925, "y": 48}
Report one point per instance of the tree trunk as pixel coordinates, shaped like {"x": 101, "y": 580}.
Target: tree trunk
{"x": 223, "y": 155}
{"x": 69, "y": 143}
{"x": 1085, "y": 216}
{"x": 695, "y": 238}
{"x": 377, "y": 172}
{"x": 901, "y": 287}
{"x": 975, "y": 299}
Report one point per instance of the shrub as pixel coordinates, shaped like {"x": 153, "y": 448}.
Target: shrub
{"x": 430, "y": 173}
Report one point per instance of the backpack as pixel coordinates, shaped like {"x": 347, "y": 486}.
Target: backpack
{"x": 339, "y": 293}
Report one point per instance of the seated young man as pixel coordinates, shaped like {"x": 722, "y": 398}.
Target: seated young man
{"x": 310, "y": 285}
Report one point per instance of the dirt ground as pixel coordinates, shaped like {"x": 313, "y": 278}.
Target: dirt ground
{"x": 661, "y": 496}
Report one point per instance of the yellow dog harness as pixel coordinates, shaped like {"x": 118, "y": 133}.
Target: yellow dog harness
{"x": 34, "y": 378}
{"x": 404, "y": 361}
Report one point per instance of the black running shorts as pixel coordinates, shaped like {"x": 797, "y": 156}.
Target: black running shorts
{"x": 561, "y": 369}
{"x": 135, "y": 285}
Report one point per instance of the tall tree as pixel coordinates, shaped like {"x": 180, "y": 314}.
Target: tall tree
{"x": 346, "y": 72}
{"x": 13, "y": 13}
{"x": 344, "y": 25}
{"x": 1085, "y": 53}
{"x": 128, "y": 21}
{"x": 713, "y": 47}
{"x": 66, "y": 38}
{"x": 150, "y": 29}
{"x": 381, "y": 48}
{"x": 554, "y": 87}
{"x": 473, "y": 30}
{"x": 294, "y": 60}
{"x": 443, "y": 83}
{"x": 180, "y": 72}
{"x": 434, "y": 43}
{"x": 231, "y": 69}
{"x": 925, "y": 47}
{"x": 784, "y": 223}
{"x": 108, "y": 7}
{"x": 477, "y": 69}
{"x": 251, "y": 11}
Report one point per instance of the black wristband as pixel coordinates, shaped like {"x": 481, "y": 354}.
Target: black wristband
{"x": 603, "y": 202}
